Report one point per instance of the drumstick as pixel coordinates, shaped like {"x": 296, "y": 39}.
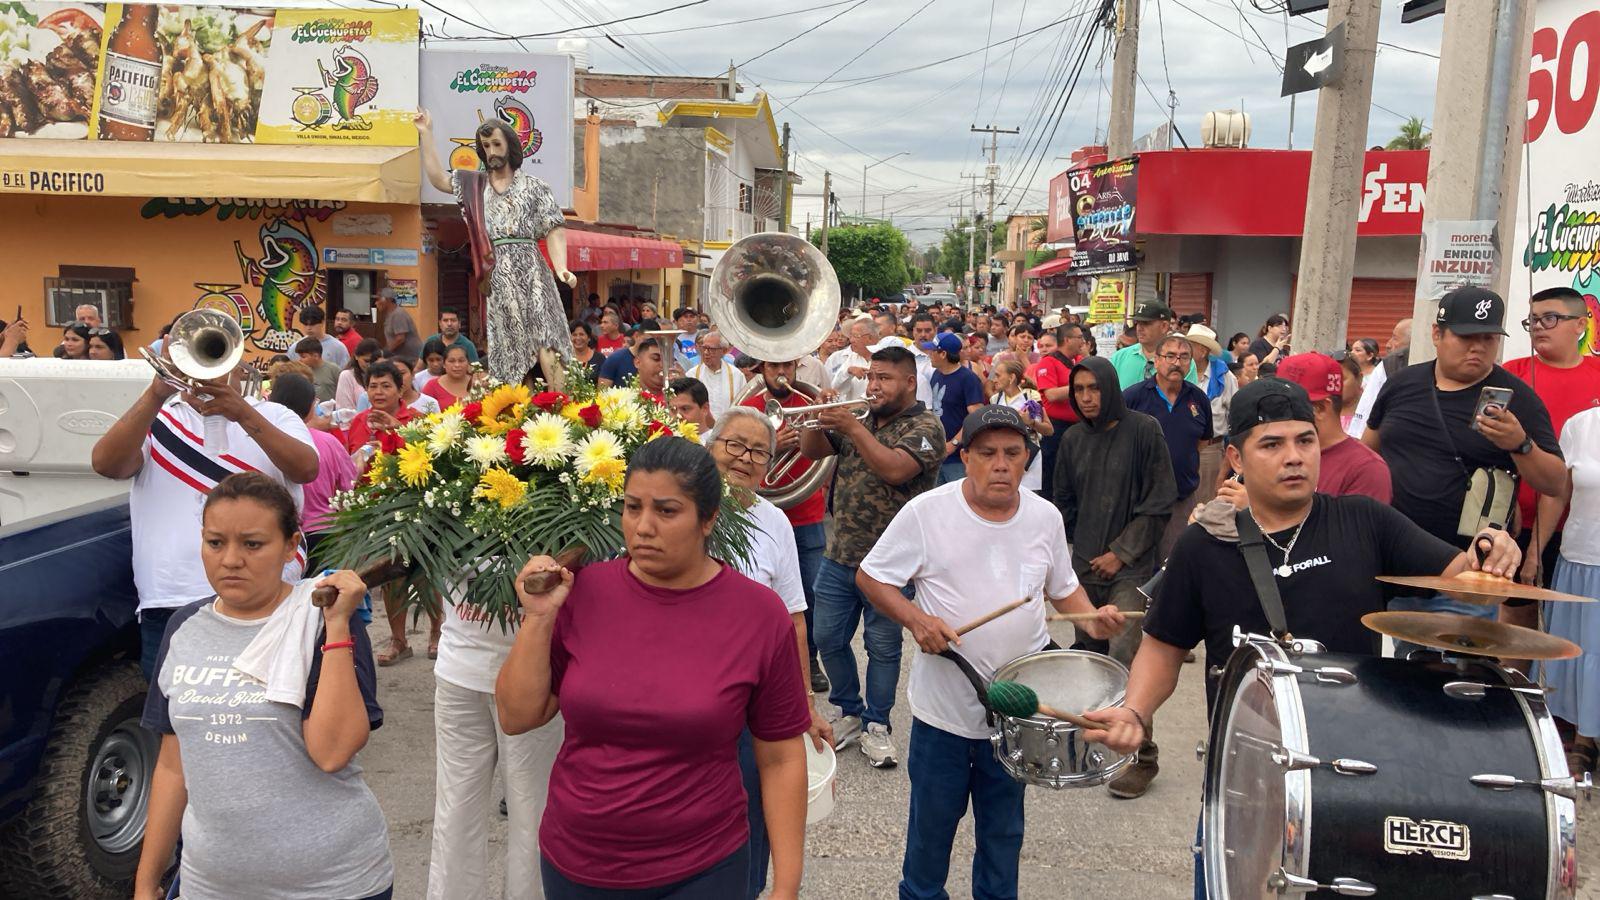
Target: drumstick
{"x": 1020, "y": 701}
{"x": 1087, "y": 617}
{"x": 1069, "y": 718}
{"x": 991, "y": 616}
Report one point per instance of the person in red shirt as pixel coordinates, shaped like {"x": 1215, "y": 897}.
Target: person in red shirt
{"x": 657, "y": 662}
{"x": 344, "y": 328}
{"x": 387, "y": 411}
{"x": 1052, "y": 374}
{"x": 1567, "y": 379}
{"x": 805, "y": 517}
{"x": 611, "y": 338}
{"x": 1348, "y": 466}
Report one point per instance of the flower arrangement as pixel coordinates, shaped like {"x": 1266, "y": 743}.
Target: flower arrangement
{"x": 470, "y": 493}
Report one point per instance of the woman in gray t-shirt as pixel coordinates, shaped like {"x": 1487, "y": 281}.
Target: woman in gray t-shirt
{"x": 270, "y": 802}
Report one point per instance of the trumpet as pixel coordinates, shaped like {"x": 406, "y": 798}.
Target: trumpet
{"x": 205, "y": 345}
{"x": 809, "y": 418}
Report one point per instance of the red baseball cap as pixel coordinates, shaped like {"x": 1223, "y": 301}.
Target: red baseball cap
{"x": 1320, "y": 374}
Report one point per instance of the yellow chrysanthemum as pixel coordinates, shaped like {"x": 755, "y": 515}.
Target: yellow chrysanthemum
{"x": 446, "y": 430}
{"x": 548, "y": 442}
{"x": 486, "y": 451}
{"x": 499, "y": 486}
{"x": 689, "y": 430}
{"x": 598, "y": 459}
{"x": 570, "y": 412}
{"x": 501, "y": 400}
{"x": 378, "y": 468}
{"x": 415, "y": 465}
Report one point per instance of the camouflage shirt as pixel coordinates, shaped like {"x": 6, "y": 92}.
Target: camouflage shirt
{"x": 863, "y": 503}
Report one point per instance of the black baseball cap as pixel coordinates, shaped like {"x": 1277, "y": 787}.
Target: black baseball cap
{"x": 1472, "y": 310}
{"x": 1267, "y": 400}
{"x": 1151, "y": 310}
{"x": 992, "y": 416}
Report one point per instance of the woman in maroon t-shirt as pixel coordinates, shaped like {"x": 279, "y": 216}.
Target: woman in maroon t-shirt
{"x": 657, "y": 662}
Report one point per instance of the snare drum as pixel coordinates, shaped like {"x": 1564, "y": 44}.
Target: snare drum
{"x": 1048, "y": 752}
{"x": 1365, "y": 776}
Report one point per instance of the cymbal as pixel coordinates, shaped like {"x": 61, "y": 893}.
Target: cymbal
{"x": 1470, "y": 635}
{"x": 1481, "y": 587}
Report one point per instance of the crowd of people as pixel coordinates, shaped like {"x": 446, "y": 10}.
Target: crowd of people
{"x": 1080, "y": 475}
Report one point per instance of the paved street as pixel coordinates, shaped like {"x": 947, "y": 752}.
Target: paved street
{"x": 1080, "y": 843}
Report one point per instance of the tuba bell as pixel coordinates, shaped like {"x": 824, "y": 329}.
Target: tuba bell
{"x": 775, "y": 297}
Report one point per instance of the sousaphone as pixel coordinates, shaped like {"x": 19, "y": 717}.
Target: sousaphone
{"x": 775, "y": 297}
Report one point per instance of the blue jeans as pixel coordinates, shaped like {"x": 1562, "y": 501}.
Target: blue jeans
{"x": 760, "y": 847}
{"x": 1200, "y": 858}
{"x": 945, "y": 771}
{"x": 809, "y": 541}
{"x": 952, "y": 471}
{"x": 840, "y": 606}
{"x": 152, "y": 626}
{"x": 1437, "y": 603}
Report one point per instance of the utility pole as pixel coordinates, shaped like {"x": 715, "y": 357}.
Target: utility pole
{"x": 1124, "y": 78}
{"x": 1333, "y": 195}
{"x": 972, "y": 237}
{"x": 783, "y": 185}
{"x": 1473, "y": 158}
{"x": 992, "y": 173}
{"x": 827, "y": 206}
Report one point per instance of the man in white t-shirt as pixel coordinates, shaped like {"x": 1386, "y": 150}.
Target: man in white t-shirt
{"x": 847, "y": 368}
{"x": 723, "y": 381}
{"x": 930, "y": 544}
{"x": 161, "y": 444}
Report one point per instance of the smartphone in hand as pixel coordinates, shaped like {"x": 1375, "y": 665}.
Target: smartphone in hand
{"x": 1491, "y": 400}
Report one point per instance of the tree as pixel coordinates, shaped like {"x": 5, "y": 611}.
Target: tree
{"x": 869, "y": 259}
{"x": 1414, "y": 135}
{"x": 952, "y": 250}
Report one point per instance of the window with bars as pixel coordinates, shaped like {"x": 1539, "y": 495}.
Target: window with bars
{"x": 108, "y": 290}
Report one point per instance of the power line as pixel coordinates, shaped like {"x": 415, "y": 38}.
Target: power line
{"x": 500, "y": 35}
{"x": 881, "y": 38}
{"x": 983, "y": 81}
{"x": 781, "y": 44}
{"x": 1011, "y": 57}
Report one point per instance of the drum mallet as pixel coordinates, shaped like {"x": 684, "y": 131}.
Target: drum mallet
{"x": 1021, "y": 702}
{"x": 1090, "y": 617}
{"x": 986, "y": 618}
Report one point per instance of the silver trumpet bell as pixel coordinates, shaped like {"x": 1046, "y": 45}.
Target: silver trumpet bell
{"x": 204, "y": 345}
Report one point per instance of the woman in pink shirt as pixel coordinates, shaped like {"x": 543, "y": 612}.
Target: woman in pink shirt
{"x": 335, "y": 470}
{"x": 657, "y": 662}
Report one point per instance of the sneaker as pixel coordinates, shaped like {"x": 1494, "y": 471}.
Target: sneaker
{"x": 819, "y": 678}
{"x": 846, "y": 731}
{"x": 1135, "y": 779}
{"x": 878, "y": 746}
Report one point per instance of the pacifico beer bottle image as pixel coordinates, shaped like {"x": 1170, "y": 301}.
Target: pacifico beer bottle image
{"x": 131, "y": 86}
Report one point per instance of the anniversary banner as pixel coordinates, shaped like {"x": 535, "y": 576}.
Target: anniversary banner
{"x": 1558, "y": 217}
{"x": 212, "y": 74}
{"x": 1104, "y": 198}
{"x": 531, "y": 92}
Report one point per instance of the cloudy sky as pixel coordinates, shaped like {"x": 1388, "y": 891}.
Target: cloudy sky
{"x": 861, "y": 80}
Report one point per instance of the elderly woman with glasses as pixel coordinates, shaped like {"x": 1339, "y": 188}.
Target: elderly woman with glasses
{"x": 743, "y": 443}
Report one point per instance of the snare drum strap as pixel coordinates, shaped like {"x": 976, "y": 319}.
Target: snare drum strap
{"x": 1254, "y": 548}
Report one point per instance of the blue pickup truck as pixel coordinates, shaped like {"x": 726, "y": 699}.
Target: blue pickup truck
{"x": 75, "y": 765}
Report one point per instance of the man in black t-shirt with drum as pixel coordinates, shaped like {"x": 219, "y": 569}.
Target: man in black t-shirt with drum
{"x": 1444, "y": 424}
{"x": 1325, "y": 553}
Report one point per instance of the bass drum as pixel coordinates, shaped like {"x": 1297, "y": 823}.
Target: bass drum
{"x": 1364, "y": 776}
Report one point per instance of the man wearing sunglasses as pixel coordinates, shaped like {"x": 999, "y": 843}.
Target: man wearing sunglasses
{"x": 1566, "y": 376}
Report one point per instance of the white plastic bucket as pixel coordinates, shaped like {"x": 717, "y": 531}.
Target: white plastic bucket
{"x": 821, "y": 767}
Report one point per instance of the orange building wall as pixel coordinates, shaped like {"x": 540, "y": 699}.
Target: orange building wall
{"x": 171, "y": 257}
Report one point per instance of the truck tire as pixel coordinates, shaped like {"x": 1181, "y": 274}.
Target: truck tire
{"x": 81, "y": 832}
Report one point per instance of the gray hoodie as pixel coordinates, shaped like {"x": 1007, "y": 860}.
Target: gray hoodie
{"x": 1113, "y": 482}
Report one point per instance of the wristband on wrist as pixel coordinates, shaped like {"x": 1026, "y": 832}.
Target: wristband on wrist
{"x": 1142, "y": 723}
{"x": 341, "y": 645}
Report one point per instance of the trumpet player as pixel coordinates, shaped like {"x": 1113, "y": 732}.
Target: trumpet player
{"x": 885, "y": 459}
{"x": 159, "y": 443}
{"x": 806, "y": 514}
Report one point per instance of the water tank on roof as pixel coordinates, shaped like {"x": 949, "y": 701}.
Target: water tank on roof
{"x": 578, "y": 49}
{"x": 1225, "y": 128}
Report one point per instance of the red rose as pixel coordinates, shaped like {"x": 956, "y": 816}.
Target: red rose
{"x": 549, "y": 401}
{"x": 590, "y": 415}
{"x": 471, "y": 412}
{"x": 390, "y": 442}
{"x": 659, "y": 427}
{"x": 514, "y": 448}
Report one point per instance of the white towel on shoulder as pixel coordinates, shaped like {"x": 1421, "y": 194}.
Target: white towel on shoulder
{"x": 280, "y": 655}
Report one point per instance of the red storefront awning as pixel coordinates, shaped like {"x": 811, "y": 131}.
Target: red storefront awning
{"x": 1049, "y": 267}
{"x": 589, "y": 251}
